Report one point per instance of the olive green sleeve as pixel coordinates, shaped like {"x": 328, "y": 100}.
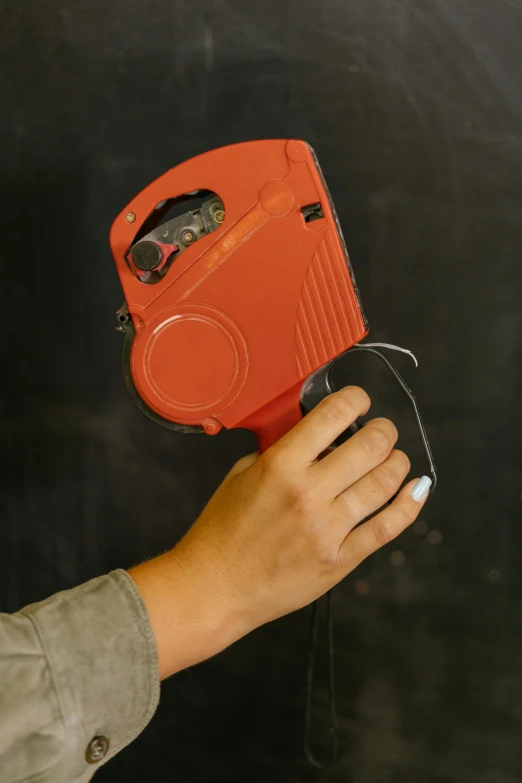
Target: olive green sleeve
{"x": 78, "y": 681}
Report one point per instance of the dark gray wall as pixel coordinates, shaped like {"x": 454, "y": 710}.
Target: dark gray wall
{"x": 415, "y": 110}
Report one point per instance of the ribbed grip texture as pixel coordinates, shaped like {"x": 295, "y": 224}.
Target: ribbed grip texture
{"x": 328, "y": 317}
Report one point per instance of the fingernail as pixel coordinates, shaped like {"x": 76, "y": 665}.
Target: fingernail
{"x": 421, "y": 488}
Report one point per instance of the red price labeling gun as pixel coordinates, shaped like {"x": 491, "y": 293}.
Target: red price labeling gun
{"x": 239, "y": 292}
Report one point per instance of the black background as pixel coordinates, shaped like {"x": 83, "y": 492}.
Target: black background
{"x": 415, "y": 110}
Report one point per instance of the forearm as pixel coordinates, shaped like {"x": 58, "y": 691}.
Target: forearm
{"x": 189, "y": 612}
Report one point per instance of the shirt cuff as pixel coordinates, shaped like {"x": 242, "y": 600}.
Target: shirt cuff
{"x": 103, "y": 661}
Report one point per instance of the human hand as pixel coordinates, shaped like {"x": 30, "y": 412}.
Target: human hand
{"x": 281, "y": 530}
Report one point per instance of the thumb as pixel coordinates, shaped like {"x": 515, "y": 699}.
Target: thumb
{"x": 241, "y": 465}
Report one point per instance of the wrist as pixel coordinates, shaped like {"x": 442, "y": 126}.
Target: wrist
{"x": 192, "y": 613}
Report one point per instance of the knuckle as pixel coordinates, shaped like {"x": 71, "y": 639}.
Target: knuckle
{"x": 293, "y": 488}
{"x": 387, "y": 479}
{"x": 358, "y": 396}
{"x": 387, "y": 426}
{"x": 405, "y": 516}
{"x": 275, "y": 462}
{"x": 350, "y": 511}
{"x": 388, "y": 476}
{"x": 339, "y": 407}
{"x": 332, "y": 561}
{"x": 376, "y": 439}
{"x": 346, "y": 404}
{"x": 302, "y": 498}
{"x": 388, "y": 526}
{"x": 403, "y": 462}
{"x": 383, "y": 532}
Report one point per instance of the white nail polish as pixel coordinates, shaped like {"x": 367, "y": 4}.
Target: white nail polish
{"x": 421, "y": 488}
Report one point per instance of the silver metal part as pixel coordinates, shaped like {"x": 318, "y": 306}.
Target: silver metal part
{"x": 196, "y": 223}
{"x": 181, "y": 232}
{"x": 316, "y": 387}
{"x": 390, "y": 347}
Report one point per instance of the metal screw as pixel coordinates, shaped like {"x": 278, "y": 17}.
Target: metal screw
{"x": 130, "y": 217}
{"x": 165, "y": 234}
{"x": 188, "y": 237}
{"x": 219, "y": 215}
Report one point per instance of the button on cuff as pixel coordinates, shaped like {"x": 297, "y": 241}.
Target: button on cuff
{"x": 97, "y": 749}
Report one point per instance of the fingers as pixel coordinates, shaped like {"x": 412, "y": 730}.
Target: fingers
{"x": 382, "y": 528}
{"x": 369, "y": 494}
{"x": 345, "y": 465}
{"x": 317, "y": 431}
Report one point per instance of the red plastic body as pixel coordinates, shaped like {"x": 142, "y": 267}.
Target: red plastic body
{"x": 248, "y": 312}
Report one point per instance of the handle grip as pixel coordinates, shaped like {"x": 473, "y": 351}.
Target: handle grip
{"x": 275, "y": 420}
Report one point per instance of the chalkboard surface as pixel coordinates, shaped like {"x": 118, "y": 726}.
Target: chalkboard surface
{"x": 415, "y": 111}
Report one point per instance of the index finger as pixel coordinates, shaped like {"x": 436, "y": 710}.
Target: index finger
{"x": 319, "y": 428}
